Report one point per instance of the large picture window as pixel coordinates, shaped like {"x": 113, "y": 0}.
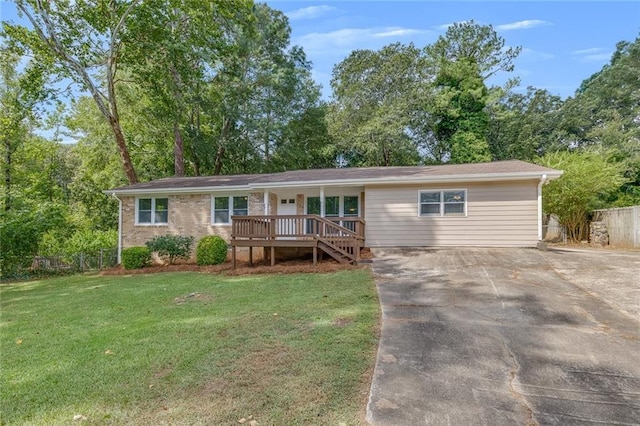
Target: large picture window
{"x": 443, "y": 202}
{"x": 153, "y": 211}
{"x": 225, "y": 207}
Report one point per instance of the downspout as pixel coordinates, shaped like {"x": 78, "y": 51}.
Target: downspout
{"x": 119, "y": 227}
{"x": 543, "y": 179}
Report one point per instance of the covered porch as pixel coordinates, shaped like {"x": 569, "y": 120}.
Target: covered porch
{"x": 342, "y": 238}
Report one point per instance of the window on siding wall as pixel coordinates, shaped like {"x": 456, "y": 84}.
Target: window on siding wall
{"x": 449, "y": 202}
{"x": 153, "y": 211}
{"x": 225, "y": 207}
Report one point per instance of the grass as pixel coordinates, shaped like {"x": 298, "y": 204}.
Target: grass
{"x": 188, "y": 348}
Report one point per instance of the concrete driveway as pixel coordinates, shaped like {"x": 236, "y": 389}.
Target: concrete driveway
{"x": 507, "y": 337}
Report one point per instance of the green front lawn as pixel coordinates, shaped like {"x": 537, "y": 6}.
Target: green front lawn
{"x": 188, "y": 348}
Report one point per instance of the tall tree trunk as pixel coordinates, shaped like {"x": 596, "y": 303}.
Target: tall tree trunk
{"x": 178, "y": 151}
{"x": 127, "y": 164}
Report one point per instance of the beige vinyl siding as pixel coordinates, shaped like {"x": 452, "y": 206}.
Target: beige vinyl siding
{"x": 499, "y": 214}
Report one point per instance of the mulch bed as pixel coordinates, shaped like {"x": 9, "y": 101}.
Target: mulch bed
{"x": 243, "y": 268}
{"x": 295, "y": 266}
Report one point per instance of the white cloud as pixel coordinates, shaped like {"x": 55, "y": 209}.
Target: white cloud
{"x": 593, "y": 54}
{"x": 397, "y": 32}
{"x": 522, "y": 25}
{"x": 599, "y": 57}
{"x": 589, "y": 51}
{"x": 535, "y": 55}
{"x": 347, "y": 39}
{"x": 310, "y": 12}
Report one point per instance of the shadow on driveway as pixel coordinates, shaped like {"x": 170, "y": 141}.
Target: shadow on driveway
{"x": 503, "y": 337}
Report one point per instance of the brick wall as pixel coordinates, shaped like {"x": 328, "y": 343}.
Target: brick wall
{"x": 188, "y": 215}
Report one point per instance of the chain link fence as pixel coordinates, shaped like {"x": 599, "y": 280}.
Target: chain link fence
{"x": 105, "y": 258}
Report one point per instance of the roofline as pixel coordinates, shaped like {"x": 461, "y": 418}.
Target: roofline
{"x": 477, "y": 177}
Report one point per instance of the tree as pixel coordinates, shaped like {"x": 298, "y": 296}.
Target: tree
{"x": 589, "y": 178}
{"x": 605, "y": 113}
{"x": 469, "y": 41}
{"x": 375, "y": 117}
{"x": 181, "y": 56}
{"x": 81, "y": 42}
{"x": 525, "y": 126}
{"x": 20, "y": 95}
{"x": 459, "y": 112}
{"x": 261, "y": 88}
{"x": 463, "y": 59}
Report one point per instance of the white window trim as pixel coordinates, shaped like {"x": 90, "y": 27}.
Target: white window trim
{"x": 442, "y": 203}
{"x": 153, "y": 211}
{"x": 230, "y": 198}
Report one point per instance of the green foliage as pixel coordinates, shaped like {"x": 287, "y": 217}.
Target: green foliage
{"x": 20, "y": 233}
{"x": 376, "y": 118}
{"x": 525, "y": 126}
{"x": 171, "y": 247}
{"x": 459, "y": 111}
{"x": 588, "y": 179}
{"x": 480, "y": 43}
{"x": 211, "y": 250}
{"x": 135, "y": 257}
{"x": 90, "y": 242}
{"x": 604, "y": 114}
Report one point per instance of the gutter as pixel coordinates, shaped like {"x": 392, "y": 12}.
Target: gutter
{"x": 119, "y": 226}
{"x": 543, "y": 179}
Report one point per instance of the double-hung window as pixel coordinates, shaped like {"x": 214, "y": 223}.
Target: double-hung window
{"x": 443, "y": 202}
{"x": 152, "y": 211}
{"x": 225, "y": 207}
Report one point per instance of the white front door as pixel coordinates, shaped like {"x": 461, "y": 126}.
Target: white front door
{"x": 286, "y": 207}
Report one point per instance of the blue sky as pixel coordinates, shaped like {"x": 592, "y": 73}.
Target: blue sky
{"x": 562, "y": 43}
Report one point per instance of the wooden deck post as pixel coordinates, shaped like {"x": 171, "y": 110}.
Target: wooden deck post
{"x": 273, "y": 256}
{"x": 233, "y": 256}
{"x": 315, "y": 255}
{"x": 250, "y": 256}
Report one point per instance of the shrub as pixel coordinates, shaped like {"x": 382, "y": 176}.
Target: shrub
{"x": 90, "y": 242}
{"x": 20, "y": 232}
{"x": 135, "y": 257}
{"x": 212, "y": 250}
{"x": 171, "y": 247}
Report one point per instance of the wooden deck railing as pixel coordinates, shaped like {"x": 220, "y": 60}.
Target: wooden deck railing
{"x": 340, "y": 237}
{"x": 296, "y": 226}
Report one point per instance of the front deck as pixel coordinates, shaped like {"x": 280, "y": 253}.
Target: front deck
{"x": 339, "y": 237}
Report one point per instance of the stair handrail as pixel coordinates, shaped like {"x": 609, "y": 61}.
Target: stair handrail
{"x": 334, "y": 225}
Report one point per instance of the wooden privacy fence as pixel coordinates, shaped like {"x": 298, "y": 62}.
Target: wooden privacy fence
{"x": 623, "y": 225}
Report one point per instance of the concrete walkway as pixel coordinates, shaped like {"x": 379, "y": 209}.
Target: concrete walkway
{"x": 505, "y": 337}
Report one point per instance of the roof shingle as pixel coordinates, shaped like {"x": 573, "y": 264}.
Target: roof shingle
{"x": 316, "y": 176}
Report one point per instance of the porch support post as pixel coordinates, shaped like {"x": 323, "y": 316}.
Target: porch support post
{"x": 322, "y": 201}
{"x": 266, "y": 202}
{"x": 315, "y": 255}
{"x": 273, "y": 255}
{"x": 250, "y": 256}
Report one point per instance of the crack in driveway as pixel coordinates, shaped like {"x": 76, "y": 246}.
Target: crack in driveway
{"x": 518, "y": 396}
